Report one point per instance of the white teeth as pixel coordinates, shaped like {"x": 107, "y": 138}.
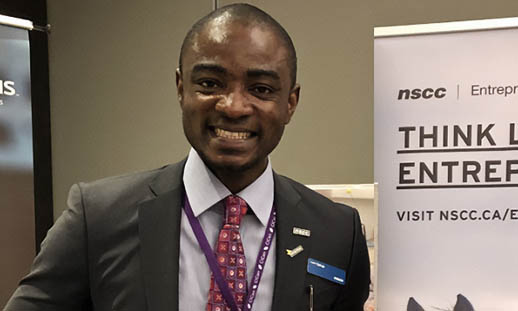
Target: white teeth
{"x": 231, "y": 135}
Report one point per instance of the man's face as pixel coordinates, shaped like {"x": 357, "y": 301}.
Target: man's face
{"x": 236, "y": 96}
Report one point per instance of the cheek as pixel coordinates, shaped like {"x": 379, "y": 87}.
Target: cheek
{"x": 274, "y": 127}
{"x": 187, "y": 116}
{"x": 197, "y": 103}
{"x": 194, "y": 107}
{"x": 191, "y": 118}
{"x": 277, "y": 117}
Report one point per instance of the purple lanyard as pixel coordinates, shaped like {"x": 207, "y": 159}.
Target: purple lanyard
{"x": 214, "y": 267}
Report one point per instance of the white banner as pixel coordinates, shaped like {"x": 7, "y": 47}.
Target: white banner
{"x": 446, "y": 159}
{"x": 17, "y": 234}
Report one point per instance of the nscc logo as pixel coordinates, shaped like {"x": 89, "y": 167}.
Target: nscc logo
{"x": 426, "y": 93}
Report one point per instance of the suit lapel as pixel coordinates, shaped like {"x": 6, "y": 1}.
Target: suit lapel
{"x": 290, "y": 272}
{"x": 159, "y": 230}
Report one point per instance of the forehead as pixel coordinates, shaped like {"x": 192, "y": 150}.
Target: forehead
{"x": 236, "y": 44}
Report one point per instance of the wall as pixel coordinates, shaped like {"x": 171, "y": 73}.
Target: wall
{"x": 113, "y": 99}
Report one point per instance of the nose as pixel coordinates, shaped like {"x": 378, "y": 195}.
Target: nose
{"x": 235, "y": 104}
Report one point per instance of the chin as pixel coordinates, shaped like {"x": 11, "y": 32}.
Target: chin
{"x": 231, "y": 163}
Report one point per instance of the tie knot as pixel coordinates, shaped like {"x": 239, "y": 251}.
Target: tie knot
{"x": 235, "y": 208}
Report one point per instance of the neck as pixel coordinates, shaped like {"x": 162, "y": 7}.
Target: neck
{"x": 237, "y": 180}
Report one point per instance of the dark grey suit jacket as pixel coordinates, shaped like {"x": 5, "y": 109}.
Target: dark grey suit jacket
{"x": 117, "y": 246}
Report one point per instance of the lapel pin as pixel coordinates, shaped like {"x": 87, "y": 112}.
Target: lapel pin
{"x": 294, "y": 252}
{"x": 300, "y": 231}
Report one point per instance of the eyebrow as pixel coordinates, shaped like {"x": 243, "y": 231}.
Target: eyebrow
{"x": 252, "y": 73}
{"x": 209, "y": 67}
{"x": 255, "y": 73}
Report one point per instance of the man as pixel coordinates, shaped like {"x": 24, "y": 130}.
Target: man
{"x": 152, "y": 240}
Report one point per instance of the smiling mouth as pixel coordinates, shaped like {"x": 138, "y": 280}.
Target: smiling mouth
{"x": 237, "y": 135}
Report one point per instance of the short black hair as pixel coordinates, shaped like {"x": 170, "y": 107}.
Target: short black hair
{"x": 250, "y": 14}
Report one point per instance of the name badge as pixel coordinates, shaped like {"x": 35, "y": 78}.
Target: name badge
{"x": 326, "y": 271}
{"x": 300, "y": 231}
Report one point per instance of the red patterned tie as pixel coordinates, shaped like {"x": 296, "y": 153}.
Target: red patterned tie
{"x": 230, "y": 257}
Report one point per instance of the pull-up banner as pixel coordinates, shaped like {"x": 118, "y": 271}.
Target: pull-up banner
{"x": 17, "y": 242}
{"x": 446, "y": 159}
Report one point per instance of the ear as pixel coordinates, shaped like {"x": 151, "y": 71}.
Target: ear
{"x": 293, "y": 101}
{"x": 179, "y": 86}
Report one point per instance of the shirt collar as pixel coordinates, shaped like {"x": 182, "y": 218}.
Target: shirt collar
{"x": 204, "y": 189}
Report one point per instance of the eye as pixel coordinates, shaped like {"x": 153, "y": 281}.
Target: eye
{"x": 209, "y": 84}
{"x": 262, "y": 89}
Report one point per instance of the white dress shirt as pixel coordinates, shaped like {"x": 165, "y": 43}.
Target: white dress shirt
{"x": 205, "y": 193}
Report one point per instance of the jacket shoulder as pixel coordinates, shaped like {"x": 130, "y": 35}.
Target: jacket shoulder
{"x": 316, "y": 200}
{"x": 125, "y": 189}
